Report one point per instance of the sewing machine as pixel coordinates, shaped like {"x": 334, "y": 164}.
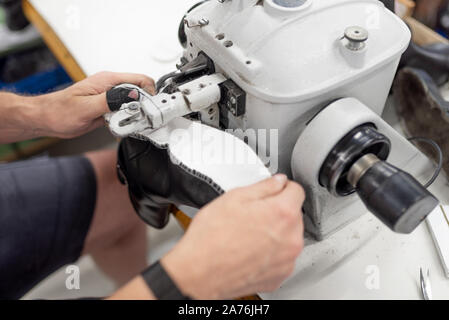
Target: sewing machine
{"x": 318, "y": 72}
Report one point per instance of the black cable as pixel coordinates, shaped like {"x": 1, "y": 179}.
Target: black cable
{"x": 390, "y": 4}
{"x": 440, "y": 157}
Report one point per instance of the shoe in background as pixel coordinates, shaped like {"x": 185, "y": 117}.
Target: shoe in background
{"x": 428, "y": 11}
{"x": 423, "y": 111}
{"x": 443, "y": 21}
{"x": 14, "y": 16}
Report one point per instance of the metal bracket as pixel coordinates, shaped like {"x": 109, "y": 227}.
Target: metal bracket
{"x": 201, "y": 23}
{"x": 233, "y": 98}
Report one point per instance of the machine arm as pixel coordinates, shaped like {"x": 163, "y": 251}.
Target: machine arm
{"x": 149, "y": 113}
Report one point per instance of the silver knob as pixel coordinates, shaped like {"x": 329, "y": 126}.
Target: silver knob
{"x": 357, "y": 37}
{"x": 290, "y": 3}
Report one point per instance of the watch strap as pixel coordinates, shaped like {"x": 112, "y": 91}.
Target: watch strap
{"x": 161, "y": 284}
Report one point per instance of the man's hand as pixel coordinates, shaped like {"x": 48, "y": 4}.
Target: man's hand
{"x": 80, "y": 108}
{"x": 64, "y": 114}
{"x": 245, "y": 242}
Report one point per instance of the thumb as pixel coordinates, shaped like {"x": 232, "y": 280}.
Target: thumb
{"x": 113, "y": 99}
{"x": 119, "y": 95}
{"x": 267, "y": 188}
{"x": 98, "y": 105}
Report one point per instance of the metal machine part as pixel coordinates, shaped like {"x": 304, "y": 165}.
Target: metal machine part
{"x": 233, "y": 98}
{"x": 362, "y": 140}
{"x": 359, "y": 168}
{"x": 181, "y": 31}
{"x": 188, "y": 71}
{"x": 426, "y": 286}
{"x": 153, "y": 112}
{"x": 331, "y": 177}
{"x": 282, "y": 90}
{"x": 290, "y": 3}
{"x": 392, "y": 195}
{"x": 356, "y": 38}
{"x": 357, "y": 164}
{"x": 252, "y": 78}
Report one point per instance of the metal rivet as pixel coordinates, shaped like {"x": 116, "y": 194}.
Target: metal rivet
{"x": 133, "y": 106}
{"x": 228, "y": 44}
{"x": 203, "y": 22}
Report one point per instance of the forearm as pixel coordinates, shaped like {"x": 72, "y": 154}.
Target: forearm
{"x": 20, "y": 117}
{"x": 192, "y": 278}
{"x": 136, "y": 289}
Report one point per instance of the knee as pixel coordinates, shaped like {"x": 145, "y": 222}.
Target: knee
{"x": 114, "y": 216}
{"x": 104, "y": 163}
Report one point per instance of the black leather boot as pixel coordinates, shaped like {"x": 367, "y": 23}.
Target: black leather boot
{"x": 155, "y": 182}
{"x": 15, "y": 18}
{"x": 422, "y": 110}
{"x": 434, "y": 59}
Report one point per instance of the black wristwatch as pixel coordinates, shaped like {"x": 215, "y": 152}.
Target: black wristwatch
{"x": 160, "y": 283}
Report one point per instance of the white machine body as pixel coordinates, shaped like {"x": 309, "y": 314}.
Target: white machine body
{"x": 311, "y": 69}
{"x": 294, "y": 61}
{"x": 291, "y": 62}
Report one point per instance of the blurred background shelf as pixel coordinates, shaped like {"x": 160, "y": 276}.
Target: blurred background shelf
{"x": 26, "y": 149}
{"x": 27, "y": 67}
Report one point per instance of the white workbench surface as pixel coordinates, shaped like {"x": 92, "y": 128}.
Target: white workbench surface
{"x": 141, "y": 36}
{"x": 123, "y": 36}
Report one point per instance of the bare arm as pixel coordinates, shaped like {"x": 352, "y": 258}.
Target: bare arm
{"x": 64, "y": 114}
{"x": 136, "y": 289}
{"x": 18, "y": 118}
